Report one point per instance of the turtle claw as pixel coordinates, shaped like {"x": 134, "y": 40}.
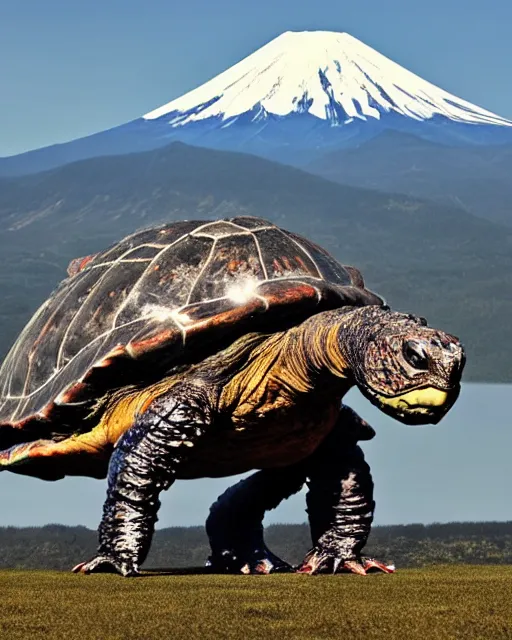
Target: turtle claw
{"x": 260, "y": 562}
{"x": 355, "y": 566}
{"x": 317, "y": 561}
{"x": 264, "y": 566}
{"x": 261, "y": 567}
{"x": 313, "y": 561}
{"x": 106, "y": 564}
{"x": 371, "y": 565}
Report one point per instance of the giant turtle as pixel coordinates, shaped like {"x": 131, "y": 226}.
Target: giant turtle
{"x": 207, "y": 349}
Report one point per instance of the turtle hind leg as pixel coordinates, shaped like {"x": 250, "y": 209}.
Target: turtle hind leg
{"x": 83, "y": 455}
{"x": 235, "y": 523}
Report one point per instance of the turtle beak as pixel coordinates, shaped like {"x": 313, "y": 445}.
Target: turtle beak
{"x": 426, "y": 405}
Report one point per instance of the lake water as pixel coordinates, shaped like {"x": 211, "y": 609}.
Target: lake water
{"x": 460, "y": 469}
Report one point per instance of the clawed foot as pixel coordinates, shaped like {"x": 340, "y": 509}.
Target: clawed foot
{"x": 318, "y": 561}
{"x": 259, "y": 561}
{"x": 107, "y": 564}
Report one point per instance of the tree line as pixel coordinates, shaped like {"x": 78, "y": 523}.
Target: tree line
{"x": 60, "y": 547}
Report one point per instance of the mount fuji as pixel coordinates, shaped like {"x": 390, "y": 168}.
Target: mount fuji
{"x": 329, "y": 86}
{"x": 301, "y": 95}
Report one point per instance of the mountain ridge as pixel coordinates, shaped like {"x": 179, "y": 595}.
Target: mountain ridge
{"x": 477, "y": 178}
{"x": 434, "y": 260}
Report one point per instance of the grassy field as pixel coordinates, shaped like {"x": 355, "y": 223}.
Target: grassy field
{"x": 442, "y": 602}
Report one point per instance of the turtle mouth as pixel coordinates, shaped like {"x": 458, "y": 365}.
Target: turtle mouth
{"x": 425, "y": 405}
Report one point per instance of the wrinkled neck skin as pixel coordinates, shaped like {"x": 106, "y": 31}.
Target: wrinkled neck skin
{"x": 315, "y": 357}
{"x": 327, "y": 348}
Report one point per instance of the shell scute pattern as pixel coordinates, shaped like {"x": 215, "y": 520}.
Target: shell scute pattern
{"x": 165, "y": 283}
{"x": 330, "y": 269}
{"x": 162, "y": 290}
{"x": 220, "y": 229}
{"x": 232, "y": 259}
{"x": 283, "y": 258}
{"x": 95, "y": 315}
{"x": 251, "y": 223}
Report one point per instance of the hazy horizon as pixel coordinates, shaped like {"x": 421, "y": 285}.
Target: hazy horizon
{"x": 453, "y": 471}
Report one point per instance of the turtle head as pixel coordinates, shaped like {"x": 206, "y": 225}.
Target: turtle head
{"x": 409, "y": 370}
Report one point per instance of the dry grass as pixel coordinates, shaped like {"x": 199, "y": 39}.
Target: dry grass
{"x": 439, "y": 603}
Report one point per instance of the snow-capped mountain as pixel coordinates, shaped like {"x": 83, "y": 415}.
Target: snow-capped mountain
{"x": 331, "y": 76}
{"x": 301, "y": 95}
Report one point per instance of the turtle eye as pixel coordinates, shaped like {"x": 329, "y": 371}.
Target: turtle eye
{"x": 415, "y": 355}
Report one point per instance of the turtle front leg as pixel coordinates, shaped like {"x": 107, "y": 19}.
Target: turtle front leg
{"x": 235, "y": 523}
{"x": 340, "y": 507}
{"x": 144, "y": 463}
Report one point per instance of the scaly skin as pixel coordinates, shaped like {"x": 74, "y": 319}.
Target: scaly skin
{"x": 143, "y": 464}
{"x": 340, "y": 509}
{"x": 270, "y": 402}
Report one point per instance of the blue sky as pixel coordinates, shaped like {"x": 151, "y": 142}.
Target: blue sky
{"x": 69, "y": 68}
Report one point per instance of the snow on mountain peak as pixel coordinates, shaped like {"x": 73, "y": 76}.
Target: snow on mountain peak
{"x": 330, "y": 75}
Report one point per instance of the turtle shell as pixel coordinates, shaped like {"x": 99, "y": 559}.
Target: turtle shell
{"x": 160, "y": 297}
